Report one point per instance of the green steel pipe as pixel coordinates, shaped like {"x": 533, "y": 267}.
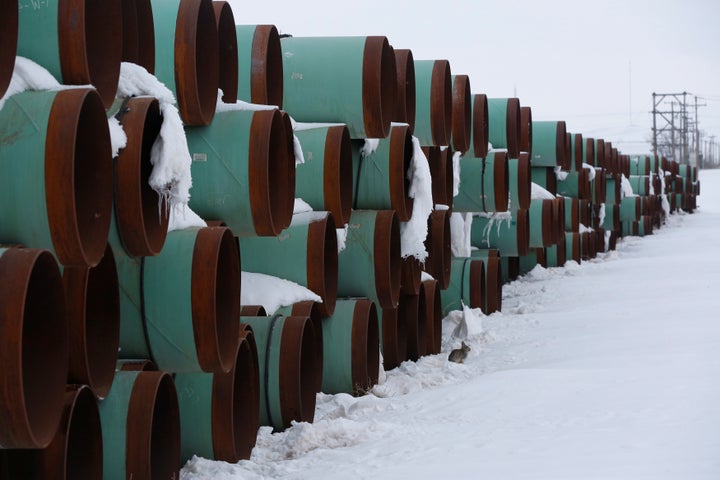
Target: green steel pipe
{"x": 351, "y": 348}
{"x": 549, "y": 142}
{"x": 186, "y": 56}
{"x": 393, "y": 336}
{"x": 479, "y": 130}
{"x": 493, "y": 279}
{"x": 462, "y": 111}
{"x": 599, "y": 158}
{"x": 79, "y": 42}
{"x": 535, "y": 257}
{"x": 612, "y": 189}
{"x": 504, "y": 124}
{"x": 243, "y": 171}
{"x": 541, "y": 217}
{"x": 411, "y": 275}
{"x": 588, "y": 248}
{"x": 556, "y": 255}
{"x": 640, "y": 165}
{"x": 577, "y": 151}
{"x": 467, "y": 285}
{"x": 8, "y": 42}
{"x": 405, "y": 105}
{"x": 438, "y": 246}
{"x": 484, "y": 184}
{"x": 140, "y": 426}
{"x": 526, "y": 131}
{"x": 575, "y": 184}
{"x": 56, "y": 171}
{"x": 218, "y": 411}
{"x": 599, "y": 186}
{"x": 586, "y": 212}
{"x": 138, "y": 34}
{"x": 508, "y": 235}
{"x": 558, "y": 225}
{"x": 571, "y": 220}
{"x": 433, "y": 102}
{"x": 545, "y": 177}
{"x": 34, "y": 350}
{"x": 519, "y": 182}
{"x": 380, "y": 179}
{"x": 227, "y": 51}
{"x": 305, "y": 253}
{"x": 600, "y": 243}
{"x": 510, "y": 267}
{"x": 313, "y": 311}
{"x": 441, "y": 173}
{"x": 351, "y": 80}
{"x": 588, "y": 151}
{"x": 655, "y": 162}
{"x": 433, "y": 313}
{"x": 369, "y": 266}
{"x": 572, "y": 246}
{"x": 250, "y": 415}
{"x": 612, "y": 218}
{"x": 645, "y": 225}
{"x": 640, "y": 184}
{"x": 260, "y": 65}
{"x": 287, "y": 367}
{"x": 328, "y": 156}
{"x": 630, "y": 209}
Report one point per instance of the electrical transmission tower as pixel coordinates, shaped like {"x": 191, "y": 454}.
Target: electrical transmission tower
{"x": 674, "y": 129}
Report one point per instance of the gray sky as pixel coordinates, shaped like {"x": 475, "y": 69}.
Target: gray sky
{"x": 592, "y": 64}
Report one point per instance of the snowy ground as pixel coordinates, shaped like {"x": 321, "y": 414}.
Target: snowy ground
{"x": 605, "y": 370}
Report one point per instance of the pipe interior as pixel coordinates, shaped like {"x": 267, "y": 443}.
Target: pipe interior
{"x": 228, "y": 50}
{"x": 103, "y": 43}
{"x": 227, "y": 296}
{"x": 165, "y": 432}
{"x": 83, "y": 449}
{"x": 155, "y": 210}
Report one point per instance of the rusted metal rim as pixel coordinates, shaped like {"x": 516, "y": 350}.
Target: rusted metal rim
{"x": 90, "y": 45}
{"x": 271, "y": 172}
{"x": 574, "y": 238}
{"x": 599, "y": 186}
{"x": 266, "y": 75}
{"x": 365, "y": 352}
{"x": 141, "y": 216}
{"x": 249, "y": 413}
{"x": 526, "y": 130}
{"x": 589, "y": 156}
{"x": 638, "y": 207}
{"x": 513, "y": 127}
{"x": 480, "y": 125}
{"x": 414, "y": 319}
{"x": 138, "y": 33}
{"x": 522, "y": 218}
{"x": 647, "y": 224}
{"x": 446, "y": 156}
{"x": 92, "y": 298}
{"x": 513, "y": 268}
{"x": 574, "y": 216}
{"x": 379, "y": 86}
{"x": 607, "y": 161}
{"x": 441, "y": 102}
{"x": 139, "y": 365}
{"x": 493, "y": 285}
{"x": 298, "y": 372}
{"x": 401, "y": 154}
{"x": 394, "y": 338}
{"x": 561, "y": 153}
{"x": 550, "y": 180}
{"x": 541, "y": 255}
{"x": 228, "y": 51}
{"x": 501, "y": 181}
{"x": 152, "y": 448}
{"x": 437, "y": 160}
{"x": 215, "y": 298}
{"x": 338, "y": 174}
{"x": 558, "y": 219}
{"x": 438, "y": 245}
{"x": 8, "y": 42}
{"x": 78, "y": 177}
{"x": 569, "y": 161}
{"x": 585, "y": 212}
{"x": 577, "y": 151}
{"x": 599, "y": 153}
{"x": 34, "y": 354}
{"x": 561, "y": 251}
{"x": 253, "y": 311}
{"x": 478, "y": 283}
{"x": 411, "y": 276}
{"x": 196, "y": 61}
{"x": 462, "y": 110}
{"x": 433, "y": 312}
{"x": 588, "y": 248}
{"x": 312, "y": 310}
{"x": 386, "y": 254}
{"x": 600, "y": 239}
{"x": 322, "y": 263}
{"x": 524, "y": 179}
{"x": 616, "y": 216}
{"x": 584, "y": 187}
{"x": 405, "y": 68}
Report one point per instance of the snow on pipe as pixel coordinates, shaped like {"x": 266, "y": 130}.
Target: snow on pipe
{"x": 549, "y": 144}
{"x": 138, "y": 33}
{"x": 393, "y": 335}
{"x": 65, "y": 204}
{"x": 510, "y": 236}
{"x": 328, "y": 156}
{"x": 441, "y": 172}
{"x": 572, "y": 246}
{"x": 351, "y": 348}
{"x": 484, "y": 184}
{"x": 438, "y": 245}
{"x": 186, "y": 56}
{"x": 416, "y": 324}
{"x": 575, "y": 184}
{"x": 630, "y": 209}
{"x": 504, "y": 125}
{"x": 92, "y": 296}
{"x": 433, "y": 313}
{"x": 78, "y": 41}
{"x": 556, "y": 255}
{"x": 140, "y": 217}
{"x": 370, "y": 265}
{"x": 433, "y": 102}
{"x": 180, "y": 307}
{"x": 8, "y": 42}
{"x": 467, "y": 285}
{"x": 260, "y": 65}
{"x": 462, "y": 111}
{"x": 411, "y": 276}
{"x": 305, "y": 253}
{"x": 380, "y": 177}
{"x": 406, "y": 96}
{"x": 571, "y": 220}
{"x": 287, "y": 368}
{"x": 252, "y": 311}
{"x": 492, "y": 300}
{"x": 228, "y": 71}
{"x": 519, "y": 184}
{"x": 526, "y": 130}
{"x": 76, "y": 449}
{"x": 140, "y": 422}
{"x": 243, "y": 171}
{"x": 34, "y": 348}
{"x": 351, "y": 80}
{"x": 577, "y": 145}
{"x": 220, "y": 411}
{"x": 314, "y": 312}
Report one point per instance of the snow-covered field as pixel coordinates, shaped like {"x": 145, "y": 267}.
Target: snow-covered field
{"x": 605, "y": 370}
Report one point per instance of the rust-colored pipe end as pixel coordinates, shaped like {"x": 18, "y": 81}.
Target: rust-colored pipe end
{"x": 78, "y": 177}
{"x": 405, "y": 67}
{"x": 322, "y": 263}
{"x": 561, "y": 250}
{"x": 462, "y": 110}
{"x": 215, "y": 294}
{"x": 137, "y": 365}
{"x": 298, "y": 372}
{"x": 394, "y": 338}
{"x": 141, "y": 215}
{"x": 314, "y": 312}
{"x": 365, "y": 347}
{"x": 253, "y": 311}
{"x": 411, "y": 276}
{"x": 513, "y": 127}
{"x": 522, "y": 217}
{"x": 561, "y": 151}
{"x": 524, "y": 180}
{"x": 227, "y": 49}
{"x": 438, "y": 245}
{"x": 401, "y": 154}
{"x": 387, "y": 258}
{"x": 379, "y": 86}
{"x": 415, "y": 320}
{"x": 433, "y": 313}
{"x": 493, "y": 285}
{"x": 90, "y": 45}
{"x": 8, "y": 42}
{"x": 266, "y": 77}
{"x": 501, "y": 181}
{"x": 138, "y": 33}
{"x": 480, "y": 125}
{"x": 577, "y": 151}
{"x": 338, "y": 173}
{"x": 558, "y": 219}
{"x": 478, "y": 283}
{"x": 441, "y": 172}
{"x": 92, "y": 298}
{"x": 589, "y": 156}
{"x": 34, "y": 353}
{"x": 526, "y": 130}
{"x": 196, "y": 61}
{"x": 441, "y": 102}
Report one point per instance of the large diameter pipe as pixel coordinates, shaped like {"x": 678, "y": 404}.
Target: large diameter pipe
{"x": 549, "y": 139}
{"x": 441, "y": 173}
{"x": 187, "y": 59}
{"x": 571, "y": 220}
{"x": 369, "y": 266}
{"x": 141, "y": 426}
{"x": 510, "y": 236}
{"x": 493, "y": 279}
{"x": 577, "y": 150}
{"x": 599, "y": 186}
{"x": 434, "y": 102}
{"x": 630, "y": 209}
{"x": 535, "y": 257}
{"x": 244, "y": 171}
{"x": 351, "y": 348}
{"x": 411, "y": 275}
{"x": 588, "y": 248}
{"x": 260, "y": 65}
{"x": 227, "y": 51}
{"x": 78, "y": 42}
{"x": 484, "y": 184}
{"x": 612, "y": 218}
{"x": 405, "y": 104}
{"x": 526, "y": 131}
{"x": 34, "y": 353}
{"x": 351, "y": 80}
{"x": 510, "y": 267}
{"x": 467, "y": 285}
{"x": 393, "y": 336}
{"x": 138, "y": 33}
{"x": 438, "y": 246}
{"x": 462, "y": 111}
{"x": 328, "y": 156}
{"x": 8, "y": 42}
{"x": 613, "y": 189}
{"x": 640, "y": 184}
{"x": 556, "y": 255}
{"x": 519, "y": 182}
{"x": 416, "y": 324}
{"x": 640, "y": 165}
{"x": 479, "y": 131}
{"x": 575, "y": 184}
{"x": 572, "y": 246}
{"x": 541, "y": 217}
{"x": 504, "y": 124}
{"x": 56, "y": 171}
{"x": 313, "y": 311}
{"x": 433, "y": 313}
{"x": 545, "y": 177}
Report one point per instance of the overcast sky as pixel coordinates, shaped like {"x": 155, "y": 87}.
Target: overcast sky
{"x": 592, "y": 64}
